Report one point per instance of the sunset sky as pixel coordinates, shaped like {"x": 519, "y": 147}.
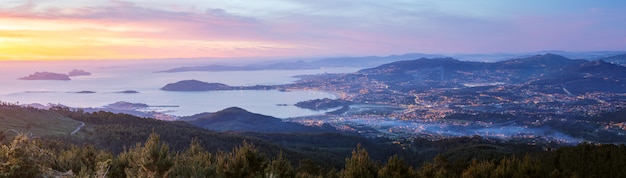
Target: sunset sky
{"x": 126, "y": 29}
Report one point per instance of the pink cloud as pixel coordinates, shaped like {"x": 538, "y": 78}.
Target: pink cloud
{"x": 326, "y": 28}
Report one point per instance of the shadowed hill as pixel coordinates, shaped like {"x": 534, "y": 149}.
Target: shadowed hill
{"x": 239, "y": 120}
{"x": 547, "y": 71}
{"x": 617, "y": 59}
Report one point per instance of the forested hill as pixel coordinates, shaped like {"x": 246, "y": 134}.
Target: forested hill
{"x": 119, "y": 145}
{"x": 239, "y": 120}
{"x": 114, "y": 132}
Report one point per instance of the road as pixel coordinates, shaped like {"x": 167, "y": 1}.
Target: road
{"x": 82, "y": 124}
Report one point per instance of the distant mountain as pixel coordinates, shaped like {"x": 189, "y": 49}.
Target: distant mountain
{"x": 495, "y": 57}
{"x": 215, "y": 68}
{"x": 617, "y": 59}
{"x": 423, "y": 63}
{"x": 537, "y": 66}
{"x": 545, "y": 70}
{"x": 372, "y": 61}
{"x": 454, "y": 69}
{"x": 274, "y": 66}
{"x": 536, "y": 61}
{"x": 239, "y": 120}
{"x": 593, "y": 76}
{"x": 601, "y": 68}
{"x": 195, "y": 85}
{"x": 423, "y": 72}
{"x": 46, "y": 76}
{"x": 368, "y": 61}
{"x": 77, "y": 72}
{"x": 588, "y": 55}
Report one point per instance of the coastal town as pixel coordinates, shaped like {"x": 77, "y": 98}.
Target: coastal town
{"x": 477, "y": 104}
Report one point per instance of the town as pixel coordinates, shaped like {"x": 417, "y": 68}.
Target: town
{"x": 435, "y": 104}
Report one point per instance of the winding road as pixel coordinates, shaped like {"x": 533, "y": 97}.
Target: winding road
{"x": 82, "y": 124}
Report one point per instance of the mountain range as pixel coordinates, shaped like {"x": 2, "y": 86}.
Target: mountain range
{"x": 547, "y": 69}
{"x": 373, "y": 61}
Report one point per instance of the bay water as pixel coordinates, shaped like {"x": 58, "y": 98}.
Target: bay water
{"x": 110, "y": 78}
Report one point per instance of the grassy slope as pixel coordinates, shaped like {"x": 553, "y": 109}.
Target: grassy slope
{"x": 38, "y": 122}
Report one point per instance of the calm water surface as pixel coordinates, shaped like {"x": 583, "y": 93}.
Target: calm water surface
{"x": 109, "y": 78}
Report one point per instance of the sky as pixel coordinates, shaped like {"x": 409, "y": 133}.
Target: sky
{"x": 139, "y": 29}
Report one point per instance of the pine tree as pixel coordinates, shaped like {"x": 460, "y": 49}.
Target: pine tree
{"x": 280, "y": 167}
{"x": 360, "y": 165}
{"x": 155, "y": 160}
{"x": 479, "y": 169}
{"x": 438, "y": 168}
{"x": 195, "y": 162}
{"x": 396, "y": 168}
{"x": 244, "y": 161}
{"x": 152, "y": 160}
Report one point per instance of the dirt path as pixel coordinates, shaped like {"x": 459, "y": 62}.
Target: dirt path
{"x": 82, "y": 124}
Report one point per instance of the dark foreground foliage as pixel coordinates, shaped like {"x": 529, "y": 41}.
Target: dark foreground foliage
{"x": 28, "y": 157}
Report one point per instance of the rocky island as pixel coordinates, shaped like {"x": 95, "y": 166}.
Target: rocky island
{"x": 195, "y": 85}
{"x": 128, "y": 92}
{"x": 46, "y": 76}
{"x": 322, "y": 104}
{"x": 84, "y": 92}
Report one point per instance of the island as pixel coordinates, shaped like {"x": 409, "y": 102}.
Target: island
{"x": 46, "y": 76}
{"x": 85, "y": 92}
{"x": 195, "y": 85}
{"x": 322, "y": 104}
{"x": 77, "y": 72}
{"x": 128, "y": 92}
{"x": 124, "y": 105}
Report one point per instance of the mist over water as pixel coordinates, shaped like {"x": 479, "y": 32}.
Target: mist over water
{"x": 111, "y": 77}
{"x": 444, "y": 129}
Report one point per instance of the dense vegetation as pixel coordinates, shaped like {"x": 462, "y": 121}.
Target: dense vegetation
{"x": 119, "y": 145}
{"x": 25, "y": 157}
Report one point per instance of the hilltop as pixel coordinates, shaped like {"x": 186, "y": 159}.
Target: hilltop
{"x": 240, "y": 120}
{"x": 195, "y": 85}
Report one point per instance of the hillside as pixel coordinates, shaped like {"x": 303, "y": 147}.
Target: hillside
{"x": 38, "y": 123}
{"x": 617, "y": 59}
{"x": 121, "y": 139}
{"x": 547, "y": 69}
{"x": 239, "y": 120}
{"x": 114, "y": 132}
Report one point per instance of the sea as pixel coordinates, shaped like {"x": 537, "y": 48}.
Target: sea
{"x": 110, "y": 77}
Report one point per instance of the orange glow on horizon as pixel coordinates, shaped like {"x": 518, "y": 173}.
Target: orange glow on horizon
{"x": 42, "y": 39}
